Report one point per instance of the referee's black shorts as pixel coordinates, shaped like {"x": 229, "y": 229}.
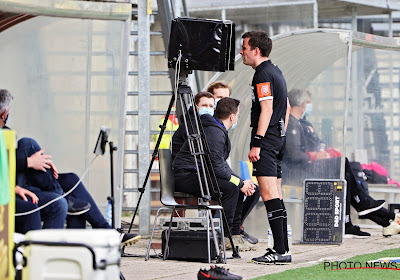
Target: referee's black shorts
{"x": 271, "y": 154}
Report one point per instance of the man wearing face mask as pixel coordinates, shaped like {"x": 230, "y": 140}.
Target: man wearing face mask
{"x": 306, "y": 158}
{"x": 218, "y": 90}
{"x": 221, "y": 89}
{"x": 305, "y": 155}
{"x": 204, "y": 103}
{"x": 313, "y": 142}
{"x": 216, "y": 132}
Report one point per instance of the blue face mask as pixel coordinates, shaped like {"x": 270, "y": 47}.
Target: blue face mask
{"x": 206, "y": 110}
{"x": 234, "y": 125}
{"x": 216, "y": 101}
{"x": 308, "y": 110}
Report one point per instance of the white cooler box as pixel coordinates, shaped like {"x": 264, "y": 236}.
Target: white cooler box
{"x": 72, "y": 254}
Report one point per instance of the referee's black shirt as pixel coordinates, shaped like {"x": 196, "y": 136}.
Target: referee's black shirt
{"x": 268, "y": 83}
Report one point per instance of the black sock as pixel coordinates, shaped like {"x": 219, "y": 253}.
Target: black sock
{"x": 285, "y": 237}
{"x": 275, "y": 218}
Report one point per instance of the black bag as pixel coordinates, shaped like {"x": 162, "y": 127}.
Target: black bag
{"x": 189, "y": 245}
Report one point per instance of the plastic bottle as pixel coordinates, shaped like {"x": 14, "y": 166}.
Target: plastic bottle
{"x": 109, "y": 213}
{"x": 270, "y": 239}
{"x": 289, "y": 235}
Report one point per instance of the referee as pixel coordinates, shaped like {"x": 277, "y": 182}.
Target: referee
{"x": 269, "y": 116}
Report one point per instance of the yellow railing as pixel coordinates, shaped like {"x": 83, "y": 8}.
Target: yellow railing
{"x": 7, "y": 202}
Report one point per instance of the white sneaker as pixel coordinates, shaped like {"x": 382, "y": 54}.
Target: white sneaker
{"x": 397, "y": 217}
{"x": 393, "y": 228}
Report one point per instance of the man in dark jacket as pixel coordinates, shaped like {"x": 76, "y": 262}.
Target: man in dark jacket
{"x": 305, "y": 153}
{"x": 216, "y": 132}
{"x": 218, "y": 90}
{"x": 36, "y": 172}
{"x": 204, "y": 102}
{"x": 300, "y": 160}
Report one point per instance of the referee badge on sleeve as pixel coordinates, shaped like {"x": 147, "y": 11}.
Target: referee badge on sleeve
{"x": 264, "y": 90}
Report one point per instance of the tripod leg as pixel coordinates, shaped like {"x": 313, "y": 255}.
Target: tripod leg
{"x": 235, "y": 252}
{"x": 222, "y": 235}
{"x": 112, "y": 149}
{"x": 208, "y": 237}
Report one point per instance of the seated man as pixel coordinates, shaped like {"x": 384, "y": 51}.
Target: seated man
{"x": 216, "y": 132}
{"x": 219, "y": 90}
{"x": 300, "y": 161}
{"x": 305, "y": 152}
{"x": 38, "y": 174}
{"x": 27, "y": 201}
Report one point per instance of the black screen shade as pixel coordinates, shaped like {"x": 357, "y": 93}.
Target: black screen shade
{"x": 207, "y": 45}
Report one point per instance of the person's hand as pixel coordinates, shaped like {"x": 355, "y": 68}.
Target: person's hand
{"x": 322, "y": 155}
{"x": 54, "y": 170}
{"x": 248, "y": 188}
{"x": 39, "y": 161}
{"x": 24, "y": 192}
{"x": 251, "y": 189}
{"x": 254, "y": 154}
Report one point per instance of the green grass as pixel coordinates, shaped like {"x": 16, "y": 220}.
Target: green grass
{"x": 317, "y": 271}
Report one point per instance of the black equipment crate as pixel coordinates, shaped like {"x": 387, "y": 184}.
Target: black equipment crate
{"x": 394, "y": 207}
{"x": 324, "y": 211}
{"x": 189, "y": 245}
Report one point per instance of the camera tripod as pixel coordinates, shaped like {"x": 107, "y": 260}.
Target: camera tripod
{"x": 200, "y": 150}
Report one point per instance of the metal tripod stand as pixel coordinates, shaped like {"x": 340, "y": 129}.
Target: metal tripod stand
{"x": 201, "y": 153}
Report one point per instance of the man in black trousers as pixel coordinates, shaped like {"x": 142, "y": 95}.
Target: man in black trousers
{"x": 216, "y": 132}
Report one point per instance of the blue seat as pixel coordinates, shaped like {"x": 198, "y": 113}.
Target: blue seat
{"x": 244, "y": 170}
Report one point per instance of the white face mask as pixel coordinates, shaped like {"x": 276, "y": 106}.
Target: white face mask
{"x": 206, "y": 110}
{"x": 308, "y": 110}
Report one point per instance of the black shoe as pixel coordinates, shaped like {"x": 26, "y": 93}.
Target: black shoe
{"x": 272, "y": 257}
{"x": 128, "y": 239}
{"x": 355, "y": 232}
{"x": 77, "y": 206}
{"x": 248, "y": 237}
{"x": 217, "y": 272}
{"x": 369, "y": 206}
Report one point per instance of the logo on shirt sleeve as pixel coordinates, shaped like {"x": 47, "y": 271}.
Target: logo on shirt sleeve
{"x": 263, "y": 90}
